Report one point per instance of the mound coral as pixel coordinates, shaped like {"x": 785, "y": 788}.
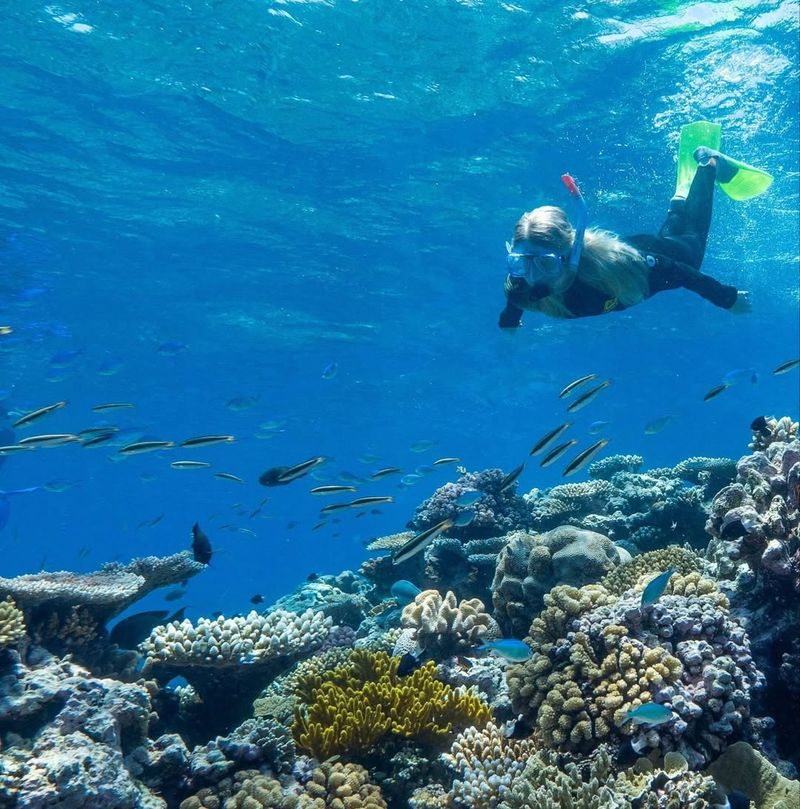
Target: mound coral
{"x": 444, "y": 627}
{"x": 348, "y": 710}
{"x": 12, "y": 623}
{"x": 530, "y": 566}
{"x": 597, "y": 657}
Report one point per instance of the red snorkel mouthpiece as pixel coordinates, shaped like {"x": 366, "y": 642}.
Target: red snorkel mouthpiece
{"x": 582, "y": 219}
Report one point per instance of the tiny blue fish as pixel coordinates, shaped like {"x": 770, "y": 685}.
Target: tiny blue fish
{"x": 650, "y": 714}
{"x": 410, "y": 479}
{"x": 515, "y": 650}
{"x": 464, "y": 519}
{"x": 404, "y": 590}
{"x": 597, "y": 426}
{"x": 468, "y": 498}
{"x": 655, "y": 588}
{"x": 740, "y": 375}
{"x": 330, "y": 371}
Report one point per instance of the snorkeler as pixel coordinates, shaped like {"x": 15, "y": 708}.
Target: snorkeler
{"x": 568, "y": 272}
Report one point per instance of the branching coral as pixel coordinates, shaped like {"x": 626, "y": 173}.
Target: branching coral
{"x": 443, "y": 627}
{"x": 391, "y": 542}
{"x": 597, "y": 657}
{"x": 486, "y": 763}
{"x": 350, "y": 708}
{"x": 624, "y": 577}
{"x": 12, "y": 623}
{"x": 341, "y": 786}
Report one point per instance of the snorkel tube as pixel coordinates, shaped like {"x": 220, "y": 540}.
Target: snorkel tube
{"x": 583, "y": 218}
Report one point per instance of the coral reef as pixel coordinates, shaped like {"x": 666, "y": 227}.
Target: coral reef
{"x": 348, "y": 710}
{"x": 70, "y": 735}
{"x": 531, "y": 565}
{"x": 624, "y": 577}
{"x": 495, "y": 512}
{"x": 775, "y": 430}
{"x": 341, "y": 786}
{"x": 598, "y": 656}
{"x": 647, "y": 509}
{"x": 442, "y": 627}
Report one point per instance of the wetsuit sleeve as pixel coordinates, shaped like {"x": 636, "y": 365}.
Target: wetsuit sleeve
{"x": 510, "y": 317}
{"x": 675, "y": 274}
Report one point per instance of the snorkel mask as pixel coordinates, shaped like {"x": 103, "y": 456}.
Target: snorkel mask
{"x": 542, "y": 268}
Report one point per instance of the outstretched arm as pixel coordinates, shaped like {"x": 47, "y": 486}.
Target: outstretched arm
{"x": 675, "y": 274}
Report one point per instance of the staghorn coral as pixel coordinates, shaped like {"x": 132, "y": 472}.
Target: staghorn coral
{"x": 622, "y": 578}
{"x": 351, "y": 708}
{"x": 442, "y": 627}
{"x": 12, "y": 623}
{"x": 341, "y": 786}
{"x": 486, "y": 763}
{"x": 597, "y": 656}
{"x": 530, "y": 566}
{"x": 495, "y": 512}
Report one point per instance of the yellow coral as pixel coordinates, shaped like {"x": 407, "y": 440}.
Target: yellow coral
{"x": 356, "y": 705}
{"x": 626, "y": 576}
{"x": 12, "y": 623}
{"x": 341, "y": 786}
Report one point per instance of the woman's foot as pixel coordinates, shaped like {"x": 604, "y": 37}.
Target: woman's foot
{"x": 726, "y": 171}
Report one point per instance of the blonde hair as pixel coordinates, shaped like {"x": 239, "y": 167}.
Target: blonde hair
{"x": 607, "y": 263}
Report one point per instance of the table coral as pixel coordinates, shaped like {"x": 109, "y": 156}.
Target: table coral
{"x": 443, "y": 627}
{"x": 530, "y": 565}
{"x": 597, "y": 656}
{"x": 352, "y": 707}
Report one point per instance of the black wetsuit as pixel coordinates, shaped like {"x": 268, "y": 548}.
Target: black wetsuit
{"x": 673, "y": 256}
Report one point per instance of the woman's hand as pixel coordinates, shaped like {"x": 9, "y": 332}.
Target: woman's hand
{"x": 742, "y": 305}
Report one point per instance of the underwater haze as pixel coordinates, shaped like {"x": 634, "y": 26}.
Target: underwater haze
{"x": 285, "y": 222}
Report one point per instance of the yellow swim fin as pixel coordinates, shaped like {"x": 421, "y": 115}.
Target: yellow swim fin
{"x": 700, "y": 133}
{"x": 747, "y": 181}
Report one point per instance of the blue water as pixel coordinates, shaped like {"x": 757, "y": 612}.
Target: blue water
{"x": 271, "y": 187}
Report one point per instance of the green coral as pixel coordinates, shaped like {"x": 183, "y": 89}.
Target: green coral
{"x": 627, "y": 576}
{"x": 12, "y": 623}
{"x": 350, "y": 709}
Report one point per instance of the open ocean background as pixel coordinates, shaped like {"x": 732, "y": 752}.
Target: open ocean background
{"x": 210, "y": 202}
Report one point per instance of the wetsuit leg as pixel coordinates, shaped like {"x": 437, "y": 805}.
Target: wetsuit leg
{"x": 685, "y": 230}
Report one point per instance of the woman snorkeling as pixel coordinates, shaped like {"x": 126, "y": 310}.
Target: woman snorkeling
{"x": 568, "y": 272}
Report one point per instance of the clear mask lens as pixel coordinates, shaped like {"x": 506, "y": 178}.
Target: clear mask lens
{"x": 534, "y": 267}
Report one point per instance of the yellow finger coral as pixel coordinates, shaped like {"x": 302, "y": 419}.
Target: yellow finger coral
{"x": 352, "y": 707}
{"x": 626, "y": 576}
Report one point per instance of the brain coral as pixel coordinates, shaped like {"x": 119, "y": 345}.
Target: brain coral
{"x": 443, "y": 627}
{"x": 348, "y": 710}
{"x": 597, "y": 656}
{"x": 531, "y": 565}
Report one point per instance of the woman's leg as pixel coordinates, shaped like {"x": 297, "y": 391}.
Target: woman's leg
{"x": 685, "y": 230}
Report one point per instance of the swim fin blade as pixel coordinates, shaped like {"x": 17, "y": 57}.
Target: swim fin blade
{"x": 748, "y": 181}
{"x": 700, "y": 133}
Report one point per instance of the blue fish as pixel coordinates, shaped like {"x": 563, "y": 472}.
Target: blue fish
{"x": 469, "y": 497}
{"x": 596, "y": 426}
{"x": 330, "y": 371}
{"x": 515, "y": 650}
{"x": 404, "y": 590}
{"x": 650, "y": 714}
{"x": 740, "y": 375}
{"x": 655, "y": 588}
{"x": 464, "y": 519}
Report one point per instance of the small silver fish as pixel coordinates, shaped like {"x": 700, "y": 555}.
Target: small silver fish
{"x": 382, "y": 473}
{"x": 207, "y": 440}
{"x": 420, "y": 541}
{"x": 37, "y": 414}
{"x": 785, "y": 367}
{"x": 139, "y": 447}
{"x": 576, "y": 383}
{"x": 557, "y": 452}
{"x": 548, "y": 438}
{"x": 370, "y": 501}
{"x": 510, "y": 478}
{"x": 111, "y": 406}
{"x": 715, "y": 391}
{"x": 228, "y": 476}
{"x": 583, "y": 458}
{"x": 587, "y": 397}
{"x": 190, "y": 464}
{"x": 332, "y": 489}
{"x": 54, "y": 440}
{"x": 13, "y": 449}
{"x": 442, "y": 461}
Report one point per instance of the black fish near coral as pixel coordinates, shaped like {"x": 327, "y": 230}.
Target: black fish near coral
{"x": 510, "y": 478}
{"x": 201, "y": 545}
{"x": 420, "y": 541}
{"x": 583, "y": 458}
